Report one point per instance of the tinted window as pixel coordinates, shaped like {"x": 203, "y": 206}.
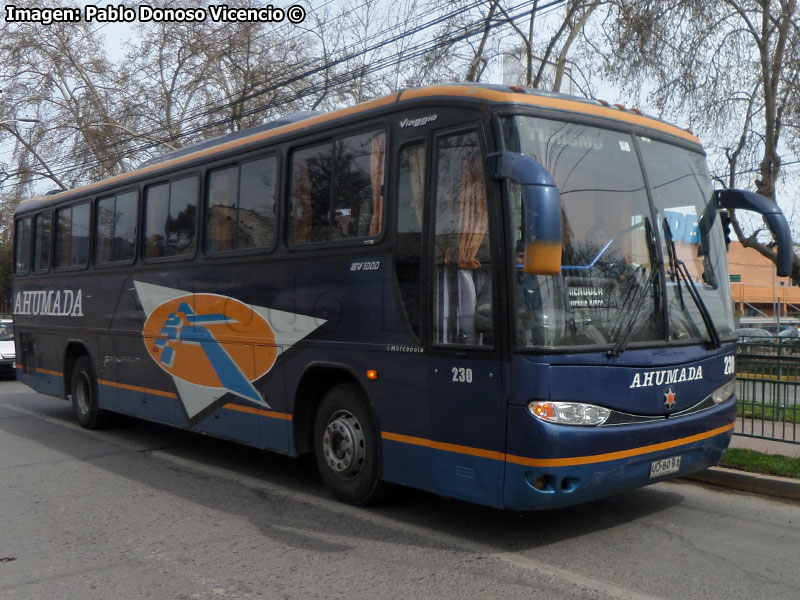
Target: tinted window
{"x": 125, "y": 226}
{"x": 221, "y": 216}
{"x": 337, "y": 189}
{"x": 105, "y": 229}
{"x": 43, "y": 231}
{"x": 63, "y": 234}
{"x": 462, "y": 261}
{"x": 358, "y": 185}
{"x": 410, "y": 213}
{"x": 79, "y": 249}
{"x": 256, "y": 225}
{"x": 241, "y": 206}
{"x": 116, "y": 228}
{"x": 310, "y": 198}
{"x": 72, "y": 235}
{"x": 170, "y": 218}
{"x": 22, "y": 246}
{"x": 156, "y": 214}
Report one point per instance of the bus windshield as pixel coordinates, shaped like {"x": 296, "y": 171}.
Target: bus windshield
{"x": 611, "y": 284}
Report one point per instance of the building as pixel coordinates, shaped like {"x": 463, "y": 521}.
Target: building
{"x": 759, "y": 295}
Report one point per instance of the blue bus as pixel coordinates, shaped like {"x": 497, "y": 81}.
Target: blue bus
{"x": 514, "y": 298}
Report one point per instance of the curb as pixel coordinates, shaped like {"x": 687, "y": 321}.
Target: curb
{"x": 754, "y": 483}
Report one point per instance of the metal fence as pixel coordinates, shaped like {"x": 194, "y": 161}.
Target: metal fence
{"x": 767, "y": 375}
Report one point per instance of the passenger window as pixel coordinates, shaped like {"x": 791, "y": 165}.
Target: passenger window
{"x": 116, "y": 228}
{"x": 337, "y": 189}
{"x": 42, "y": 236}
{"x": 22, "y": 246}
{"x": 255, "y": 227}
{"x": 72, "y": 236}
{"x": 410, "y": 213}
{"x": 241, "y": 206}
{"x": 310, "y": 197}
{"x": 170, "y": 218}
{"x": 462, "y": 258}
{"x": 63, "y": 233}
{"x": 358, "y": 185}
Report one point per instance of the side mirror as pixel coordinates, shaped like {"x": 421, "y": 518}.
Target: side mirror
{"x": 541, "y": 206}
{"x": 773, "y": 216}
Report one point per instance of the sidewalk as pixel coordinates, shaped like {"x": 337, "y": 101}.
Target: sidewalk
{"x": 766, "y": 446}
{"x": 755, "y": 483}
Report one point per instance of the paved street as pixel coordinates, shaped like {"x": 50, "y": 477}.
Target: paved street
{"x": 144, "y": 511}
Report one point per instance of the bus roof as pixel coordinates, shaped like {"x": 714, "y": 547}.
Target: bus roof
{"x": 495, "y": 94}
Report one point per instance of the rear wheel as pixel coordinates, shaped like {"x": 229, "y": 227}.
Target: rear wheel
{"x": 347, "y": 446}
{"x": 84, "y": 396}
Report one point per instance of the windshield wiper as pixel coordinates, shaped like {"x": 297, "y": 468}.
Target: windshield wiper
{"x": 639, "y": 299}
{"x": 679, "y": 271}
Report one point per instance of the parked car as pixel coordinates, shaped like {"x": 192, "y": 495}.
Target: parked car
{"x": 8, "y": 354}
{"x": 753, "y": 336}
{"x": 788, "y": 335}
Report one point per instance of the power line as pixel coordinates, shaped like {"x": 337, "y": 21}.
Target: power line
{"x": 293, "y": 75}
{"x": 211, "y": 107}
{"x": 412, "y": 52}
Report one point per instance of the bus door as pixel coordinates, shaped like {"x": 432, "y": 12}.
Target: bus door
{"x": 464, "y": 367}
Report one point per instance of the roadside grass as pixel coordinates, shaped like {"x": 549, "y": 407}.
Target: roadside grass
{"x": 758, "y": 462}
{"x": 751, "y": 410}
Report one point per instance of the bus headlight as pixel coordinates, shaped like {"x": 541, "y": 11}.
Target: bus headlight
{"x": 721, "y": 394}
{"x": 569, "y": 413}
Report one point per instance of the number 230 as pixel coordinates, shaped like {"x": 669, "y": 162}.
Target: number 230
{"x": 462, "y": 375}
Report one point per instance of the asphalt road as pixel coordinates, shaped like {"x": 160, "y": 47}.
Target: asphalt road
{"x": 144, "y": 511}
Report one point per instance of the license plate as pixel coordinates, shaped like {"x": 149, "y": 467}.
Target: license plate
{"x": 665, "y": 466}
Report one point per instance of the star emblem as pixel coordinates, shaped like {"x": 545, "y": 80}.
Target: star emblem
{"x": 669, "y": 399}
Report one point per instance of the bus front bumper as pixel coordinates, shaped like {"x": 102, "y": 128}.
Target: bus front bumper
{"x": 594, "y": 462}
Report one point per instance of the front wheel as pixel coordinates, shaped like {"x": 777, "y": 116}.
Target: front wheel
{"x": 84, "y": 396}
{"x": 347, "y": 446}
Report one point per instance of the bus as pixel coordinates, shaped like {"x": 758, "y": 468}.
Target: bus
{"x": 514, "y": 298}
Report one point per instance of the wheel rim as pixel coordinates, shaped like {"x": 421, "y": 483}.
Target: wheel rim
{"x": 82, "y": 394}
{"x": 343, "y": 445}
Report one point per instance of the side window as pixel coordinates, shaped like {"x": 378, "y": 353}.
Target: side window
{"x": 462, "y": 259}
{"x": 42, "y": 236}
{"x": 410, "y": 211}
{"x": 337, "y": 189}
{"x": 22, "y": 246}
{"x": 72, "y": 235}
{"x": 358, "y": 174}
{"x": 310, "y": 196}
{"x": 241, "y": 206}
{"x": 116, "y": 228}
{"x": 170, "y": 218}
{"x": 63, "y": 236}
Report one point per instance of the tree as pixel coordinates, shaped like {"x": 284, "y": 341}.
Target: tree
{"x": 60, "y": 75}
{"x": 728, "y": 67}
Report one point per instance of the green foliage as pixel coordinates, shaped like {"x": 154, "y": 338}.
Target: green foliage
{"x": 758, "y": 462}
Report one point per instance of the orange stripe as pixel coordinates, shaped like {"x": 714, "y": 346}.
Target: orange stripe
{"x": 555, "y": 462}
{"x": 586, "y": 108}
{"x": 136, "y": 388}
{"x": 596, "y": 458}
{"x": 407, "y": 439}
{"x": 38, "y": 370}
{"x": 258, "y": 411}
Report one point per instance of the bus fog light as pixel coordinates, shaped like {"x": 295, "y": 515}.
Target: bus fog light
{"x": 569, "y": 413}
{"x": 724, "y": 393}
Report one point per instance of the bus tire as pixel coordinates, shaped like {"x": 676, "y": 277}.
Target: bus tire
{"x": 347, "y": 446}
{"x": 84, "y": 396}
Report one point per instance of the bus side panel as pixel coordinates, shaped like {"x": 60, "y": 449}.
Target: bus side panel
{"x": 37, "y": 363}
